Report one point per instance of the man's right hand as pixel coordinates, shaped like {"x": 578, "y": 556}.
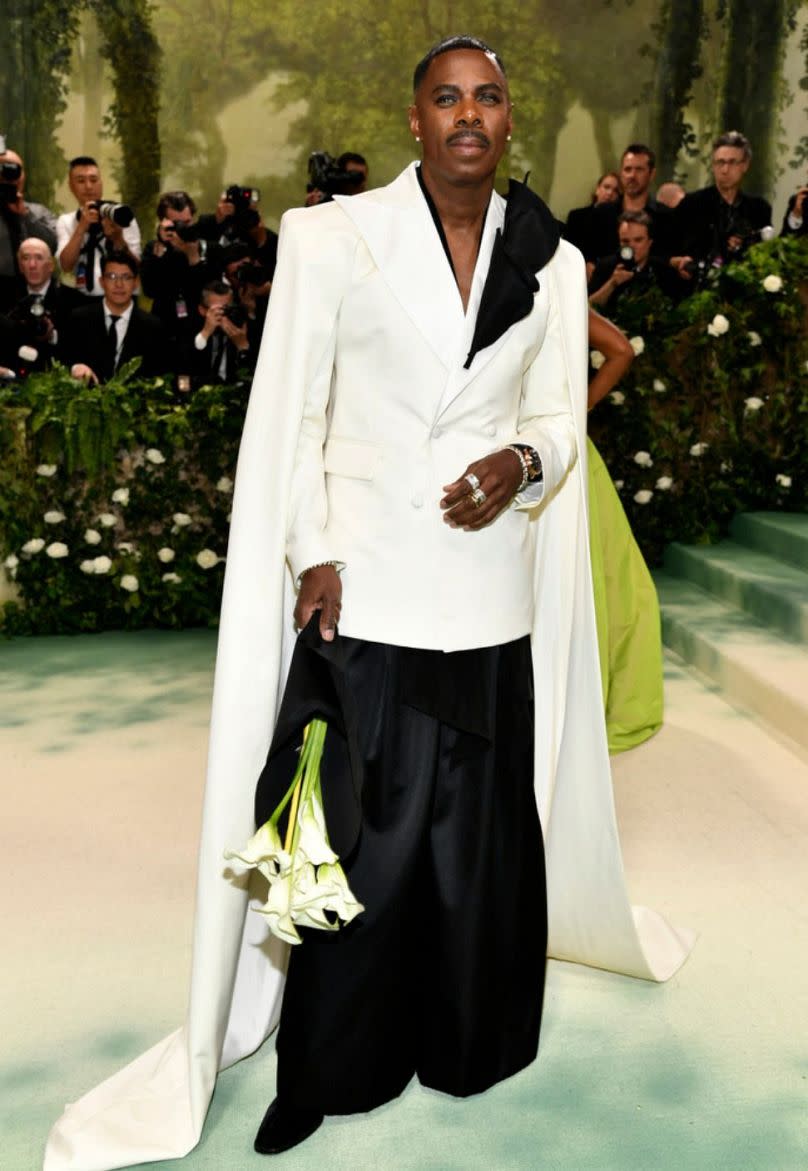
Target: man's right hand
{"x": 680, "y": 263}
{"x": 620, "y": 276}
{"x": 320, "y": 589}
{"x": 85, "y": 373}
{"x": 88, "y": 215}
{"x": 214, "y": 315}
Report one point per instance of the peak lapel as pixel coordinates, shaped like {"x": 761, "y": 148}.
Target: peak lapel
{"x": 395, "y": 223}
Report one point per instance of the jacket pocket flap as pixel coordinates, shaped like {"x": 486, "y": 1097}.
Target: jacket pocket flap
{"x": 351, "y": 457}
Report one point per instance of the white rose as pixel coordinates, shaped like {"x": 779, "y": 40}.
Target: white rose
{"x": 87, "y": 567}
{"x": 125, "y": 547}
{"x": 659, "y": 386}
{"x": 782, "y": 480}
{"x": 699, "y": 448}
{"x": 753, "y": 338}
{"x": 726, "y": 465}
{"x": 172, "y": 577}
{"x": 35, "y": 545}
{"x": 618, "y": 484}
{"x": 206, "y": 559}
{"x": 637, "y": 344}
{"x": 120, "y": 496}
{"x": 154, "y": 457}
{"x": 92, "y": 536}
{"x": 643, "y": 458}
{"x": 718, "y": 325}
{"x": 28, "y": 353}
{"x": 12, "y": 561}
{"x": 53, "y": 517}
{"x": 57, "y": 549}
{"x": 101, "y": 565}
{"x": 753, "y": 403}
{"x": 664, "y": 483}
{"x": 130, "y": 583}
{"x": 181, "y": 518}
{"x": 617, "y": 397}
{"x": 108, "y": 519}
{"x": 643, "y": 496}
{"x": 225, "y": 484}
{"x": 772, "y": 283}
{"x": 46, "y": 470}
{"x": 165, "y": 554}
{"x": 596, "y": 359}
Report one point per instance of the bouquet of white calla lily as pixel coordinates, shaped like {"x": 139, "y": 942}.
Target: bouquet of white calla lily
{"x": 307, "y": 885}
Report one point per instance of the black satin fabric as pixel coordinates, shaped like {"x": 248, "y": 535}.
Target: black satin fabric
{"x": 442, "y": 975}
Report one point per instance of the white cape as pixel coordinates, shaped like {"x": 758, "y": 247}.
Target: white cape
{"x": 155, "y": 1107}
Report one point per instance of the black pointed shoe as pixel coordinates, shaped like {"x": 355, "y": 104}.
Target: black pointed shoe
{"x": 284, "y": 1127}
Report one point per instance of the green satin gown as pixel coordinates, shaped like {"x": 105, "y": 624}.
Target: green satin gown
{"x": 627, "y": 613}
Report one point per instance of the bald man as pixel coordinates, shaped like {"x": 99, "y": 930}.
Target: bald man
{"x": 41, "y": 306}
{"x": 19, "y": 220}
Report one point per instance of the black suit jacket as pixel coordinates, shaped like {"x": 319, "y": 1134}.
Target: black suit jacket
{"x": 86, "y": 341}
{"x": 704, "y": 220}
{"x": 58, "y": 303}
{"x": 603, "y": 237}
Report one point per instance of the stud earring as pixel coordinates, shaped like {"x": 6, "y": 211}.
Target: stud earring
{"x": 417, "y": 138}
{"x": 509, "y": 138}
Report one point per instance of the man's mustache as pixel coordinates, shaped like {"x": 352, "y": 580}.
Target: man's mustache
{"x": 461, "y": 135}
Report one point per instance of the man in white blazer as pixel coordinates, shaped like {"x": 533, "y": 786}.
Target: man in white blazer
{"x": 411, "y": 481}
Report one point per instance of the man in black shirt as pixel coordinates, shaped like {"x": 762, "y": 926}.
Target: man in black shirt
{"x": 177, "y": 265}
{"x": 633, "y": 271}
{"x": 717, "y": 223}
{"x": 637, "y": 171}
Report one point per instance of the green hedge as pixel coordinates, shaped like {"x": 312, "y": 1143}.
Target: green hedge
{"x": 717, "y": 401}
{"x": 115, "y": 502}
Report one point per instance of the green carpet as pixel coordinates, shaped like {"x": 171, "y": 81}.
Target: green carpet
{"x": 102, "y": 740}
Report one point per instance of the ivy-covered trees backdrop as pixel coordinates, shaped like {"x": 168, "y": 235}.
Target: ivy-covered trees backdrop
{"x": 159, "y": 78}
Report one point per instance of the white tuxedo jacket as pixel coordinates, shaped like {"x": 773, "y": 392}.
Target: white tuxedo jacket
{"x": 391, "y": 416}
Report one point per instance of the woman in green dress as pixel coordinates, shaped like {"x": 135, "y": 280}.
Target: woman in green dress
{"x": 626, "y": 605}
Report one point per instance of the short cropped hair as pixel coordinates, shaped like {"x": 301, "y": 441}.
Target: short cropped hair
{"x": 119, "y": 258}
{"x": 82, "y": 161}
{"x": 219, "y": 288}
{"x": 641, "y": 218}
{"x": 449, "y": 45}
{"x": 737, "y": 140}
{"x": 350, "y": 156}
{"x": 639, "y": 148}
{"x": 174, "y": 201}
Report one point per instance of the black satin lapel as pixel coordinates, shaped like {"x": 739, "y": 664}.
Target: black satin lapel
{"x": 528, "y": 240}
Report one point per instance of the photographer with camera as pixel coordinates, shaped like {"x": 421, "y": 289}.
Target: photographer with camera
{"x": 237, "y": 220}
{"x": 634, "y": 270}
{"x": 221, "y": 350}
{"x": 95, "y": 230}
{"x": 794, "y": 221}
{"x": 19, "y": 220}
{"x": 41, "y": 310}
{"x": 716, "y": 224}
{"x": 177, "y": 264}
{"x": 251, "y": 284}
{"x": 347, "y": 175}
{"x": 637, "y": 173}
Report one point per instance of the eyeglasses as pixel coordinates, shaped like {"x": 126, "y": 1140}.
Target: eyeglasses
{"x": 116, "y": 278}
{"x": 727, "y": 162}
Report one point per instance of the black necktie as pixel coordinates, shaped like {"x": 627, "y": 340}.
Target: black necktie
{"x": 112, "y": 336}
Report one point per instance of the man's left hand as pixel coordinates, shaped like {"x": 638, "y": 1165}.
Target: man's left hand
{"x": 236, "y": 333}
{"x": 499, "y": 474}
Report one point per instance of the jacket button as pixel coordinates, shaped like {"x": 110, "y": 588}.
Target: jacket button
{"x": 491, "y": 429}
{"x": 417, "y": 500}
{"x": 436, "y": 434}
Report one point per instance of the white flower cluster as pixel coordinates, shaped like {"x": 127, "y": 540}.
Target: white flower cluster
{"x": 698, "y": 449}
{"x": 772, "y": 283}
{"x": 617, "y": 397}
{"x": 596, "y": 359}
{"x": 659, "y": 386}
{"x": 754, "y": 338}
{"x": 783, "y": 480}
{"x": 100, "y": 564}
{"x": 154, "y": 456}
{"x": 207, "y": 559}
{"x": 637, "y": 344}
{"x": 718, "y": 326}
{"x": 664, "y": 483}
{"x": 643, "y": 458}
{"x": 752, "y": 404}
{"x": 46, "y": 470}
{"x": 120, "y": 496}
{"x": 643, "y": 496}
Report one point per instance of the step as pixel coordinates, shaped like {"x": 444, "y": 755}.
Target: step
{"x": 782, "y": 534}
{"x": 756, "y": 669}
{"x": 770, "y": 590}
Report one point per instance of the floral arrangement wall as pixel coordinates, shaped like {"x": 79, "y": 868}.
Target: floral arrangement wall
{"x": 712, "y": 418}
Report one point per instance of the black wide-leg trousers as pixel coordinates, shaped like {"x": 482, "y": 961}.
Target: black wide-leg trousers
{"x": 442, "y": 975}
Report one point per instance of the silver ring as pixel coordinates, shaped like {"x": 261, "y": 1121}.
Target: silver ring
{"x": 472, "y": 481}
{"x": 478, "y": 497}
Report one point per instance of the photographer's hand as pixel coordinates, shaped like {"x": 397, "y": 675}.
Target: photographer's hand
{"x": 83, "y": 372}
{"x": 680, "y": 263}
{"x": 224, "y": 210}
{"x": 237, "y": 334}
{"x": 213, "y": 319}
{"x": 114, "y": 233}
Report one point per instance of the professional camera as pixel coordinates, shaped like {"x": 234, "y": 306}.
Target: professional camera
{"x": 326, "y": 176}
{"x": 119, "y": 213}
{"x": 9, "y": 177}
{"x": 627, "y": 260}
{"x": 236, "y": 315}
{"x": 31, "y": 316}
{"x": 188, "y": 233}
{"x": 252, "y": 274}
{"x": 245, "y": 215}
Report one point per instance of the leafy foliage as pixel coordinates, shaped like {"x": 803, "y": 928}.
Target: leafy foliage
{"x": 723, "y": 415}
{"x": 132, "y": 470}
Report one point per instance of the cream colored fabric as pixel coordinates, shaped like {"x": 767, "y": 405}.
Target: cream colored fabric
{"x": 155, "y": 1107}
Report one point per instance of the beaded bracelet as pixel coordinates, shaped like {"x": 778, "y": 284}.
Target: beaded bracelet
{"x": 525, "y": 466}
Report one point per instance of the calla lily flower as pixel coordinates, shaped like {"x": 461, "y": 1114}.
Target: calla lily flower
{"x": 277, "y": 910}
